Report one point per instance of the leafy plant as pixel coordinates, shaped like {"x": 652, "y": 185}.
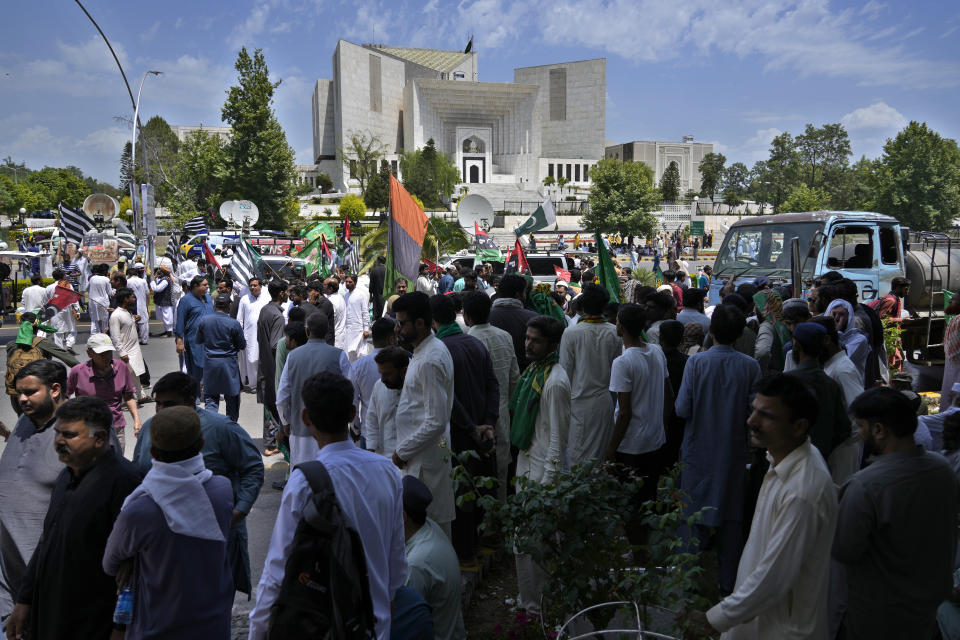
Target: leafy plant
{"x": 645, "y": 277}
{"x": 353, "y": 208}
{"x": 891, "y": 341}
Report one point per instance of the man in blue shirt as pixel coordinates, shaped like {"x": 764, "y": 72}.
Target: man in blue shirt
{"x": 222, "y": 339}
{"x": 191, "y": 309}
{"x": 445, "y": 285}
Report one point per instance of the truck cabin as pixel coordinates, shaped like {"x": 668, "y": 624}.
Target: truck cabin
{"x": 862, "y": 246}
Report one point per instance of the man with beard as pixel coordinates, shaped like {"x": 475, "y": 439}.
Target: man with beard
{"x": 123, "y": 329}
{"x": 269, "y": 332}
{"x": 896, "y": 530}
{"x": 248, "y": 312}
{"x": 379, "y": 425}
{"x": 86, "y": 500}
{"x": 29, "y": 468}
{"x": 357, "y": 319}
{"x": 316, "y": 301}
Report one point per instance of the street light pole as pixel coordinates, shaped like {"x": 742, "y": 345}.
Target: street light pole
{"x": 138, "y": 228}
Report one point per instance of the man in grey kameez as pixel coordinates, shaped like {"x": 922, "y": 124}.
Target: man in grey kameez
{"x": 227, "y": 451}
{"x": 714, "y": 399}
{"x": 222, "y": 339}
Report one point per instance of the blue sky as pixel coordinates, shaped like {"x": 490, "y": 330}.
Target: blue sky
{"x": 732, "y": 73}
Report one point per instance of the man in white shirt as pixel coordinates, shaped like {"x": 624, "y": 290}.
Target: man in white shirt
{"x": 123, "y": 332}
{"x": 363, "y": 371}
{"x": 65, "y": 320}
{"x": 370, "y": 495}
{"x": 380, "y": 423}
{"x": 100, "y": 291}
{"x": 782, "y": 580}
{"x": 425, "y": 281}
{"x": 164, "y": 288}
{"x": 640, "y": 379}
{"x": 332, "y": 287}
{"x": 34, "y": 296}
{"x": 140, "y": 290}
{"x": 587, "y": 352}
{"x": 426, "y": 401}
{"x": 248, "y": 313}
{"x": 356, "y": 318}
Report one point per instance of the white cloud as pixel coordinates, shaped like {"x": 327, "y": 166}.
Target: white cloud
{"x": 93, "y": 55}
{"x": 245, "y": 33}
{"x": 150, "y": 33}
{"x": 878, "y": 116}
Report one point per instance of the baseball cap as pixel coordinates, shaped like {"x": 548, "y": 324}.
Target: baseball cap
{"x": 100, "y": 343}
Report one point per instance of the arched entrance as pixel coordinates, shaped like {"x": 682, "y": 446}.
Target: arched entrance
{"x": 474, "y": 174}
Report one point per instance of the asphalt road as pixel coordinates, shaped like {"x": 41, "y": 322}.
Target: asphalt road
{"x": 161, "y": 357}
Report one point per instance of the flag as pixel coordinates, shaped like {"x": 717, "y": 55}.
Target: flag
{"x": 208, "y": 255}
{"x": 173, "y": 251}
{"x": 74, "y": 223}
{"x": 432, "y": 267}
{"x": 562, "y": 274}
{"x": 61, "y": 299}
{"x": 487, "y": 249}
{"x": 346, "y": 229}
{"x": 408, "y": 227}
{"x": 658, "y": 274}
{"x": 516, "y": 260}
{"x": 319, "y": 229}
{"x": 542, "y": 218}
{"x": 195, "y": 226}
{"x": 245, "y": 263}
{"x": 351, "y": 258}
{"x": 606, "y": 274}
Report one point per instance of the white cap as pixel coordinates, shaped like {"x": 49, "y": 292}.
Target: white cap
{"x": 138, "y": 265}
{"x": 100, "y": 343}
{"x": 665, "y": 287}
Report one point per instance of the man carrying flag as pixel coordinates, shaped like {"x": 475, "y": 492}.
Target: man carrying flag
{"x": 516, "y": 260}
{"x": 606, "y": 273}
{"x": 407, "y": 228}
{"x": 62, "y": 310}
{"x": 487, "y": 250}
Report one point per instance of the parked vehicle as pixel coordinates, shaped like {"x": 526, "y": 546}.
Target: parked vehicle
{"x": 869, "y": 248}
{"x": 541, "y": 265}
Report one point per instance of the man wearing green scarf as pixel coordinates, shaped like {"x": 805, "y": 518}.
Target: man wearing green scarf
{"x": 540, "y": 408}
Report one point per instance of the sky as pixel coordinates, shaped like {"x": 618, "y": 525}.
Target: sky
{"x": 732, "y": 73}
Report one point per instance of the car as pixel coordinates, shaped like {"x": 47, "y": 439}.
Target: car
{"x": 541, "y": 265}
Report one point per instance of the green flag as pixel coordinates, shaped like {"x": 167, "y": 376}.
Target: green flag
{"x": 542, "y": 218}
{"x": 606, "y": 274}
{"x": 315, "y": 231}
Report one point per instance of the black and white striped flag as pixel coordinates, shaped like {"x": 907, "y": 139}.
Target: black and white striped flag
{"x": 173, "y": 250}
{"x": 245, "y": 263}
{"x": 74, "y": 223}
{"x": 195, "y": 226}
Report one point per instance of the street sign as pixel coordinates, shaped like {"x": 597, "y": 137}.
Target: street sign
{"x": 696, "y": 228}
{"x": 149, "y": 209}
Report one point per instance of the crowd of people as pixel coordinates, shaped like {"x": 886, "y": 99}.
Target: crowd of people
{"x": 826, "y": 497}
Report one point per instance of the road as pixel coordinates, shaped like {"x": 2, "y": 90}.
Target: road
{"x": 161, "y": 357}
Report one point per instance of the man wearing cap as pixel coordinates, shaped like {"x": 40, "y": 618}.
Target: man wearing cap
{"x": 222, "y": 340}
{"x": 108, "y": 379}
{"x": 123, "y": 328}
{"x": 140, "y": 290}
{"x": 432, "y": 565}
{"x": 162, "y": 286}
{"x": 173, "y": 528}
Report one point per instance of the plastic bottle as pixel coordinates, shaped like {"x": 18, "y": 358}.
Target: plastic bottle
{"x": 123, "y": 612}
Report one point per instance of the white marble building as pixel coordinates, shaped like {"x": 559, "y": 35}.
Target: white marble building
{"x": 658, "y": 155}
{"x": 549, "y": 121}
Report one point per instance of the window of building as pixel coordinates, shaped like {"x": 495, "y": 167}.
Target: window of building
{"x": 393, "y": 167}
{"x": 558, "y": 94}
{"x": 576, "y": 173}
{"x": 473, "y": 144}
{"x": 376, "y": 99}
{"x": 459, "y": 75}
{"x": 569, "y": 172}
{"x": 550, "y": 169}
{"x": 586, "y": 172}
{"x": 353, "y": 168}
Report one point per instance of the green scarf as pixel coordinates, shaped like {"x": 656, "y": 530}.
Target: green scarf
{"x": 450, "y": 329}
{"x": 525, "y": 401}
{"x": 543, "y": 303}
{"x": 26, "y": 332}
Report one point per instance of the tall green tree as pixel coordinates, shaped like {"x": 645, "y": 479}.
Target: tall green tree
{"x": 200, "y": 173}
{"x": 378, "y": 189}
{"x": 670, "y": 183}
{"x": 736, "y": 179}
{"x": 53, "y": 186}
{"x": 362, "y": 153}
{"x": 824, "y": 153}
{"x": 429, "y": 174}
{"x": 157, "y": 147}
{"x": 918, "y": 178}
{"x": 622, "y": 198}
{"x": 711, "y": 174}
{"x": 260, "y": 165}
{"x": 804, "y": 198}
{"x": 783, "y": 169}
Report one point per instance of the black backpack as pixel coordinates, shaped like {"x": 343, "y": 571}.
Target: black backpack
{"x": 325, "y": 593}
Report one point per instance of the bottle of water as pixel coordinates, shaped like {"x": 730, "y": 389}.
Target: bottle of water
{"x": 123, "y": 613}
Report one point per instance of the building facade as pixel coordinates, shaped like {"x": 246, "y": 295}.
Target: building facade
{"x": 182, "y": 131}
{"x": 549, "y": 121}
{"x": 658, "y": 155}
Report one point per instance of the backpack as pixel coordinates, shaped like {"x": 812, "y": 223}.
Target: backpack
{"x": 18, "y": 360}
{"x": 325, "y": 593}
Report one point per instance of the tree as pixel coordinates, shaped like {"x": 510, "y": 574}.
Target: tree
{"x": 259, "y": 163}
{"x": 804, "y": 198}
{"x": 690, "y": 194}
{"x": 732, "y": 199}
{"x": 858, "y": 187}
{"x": 783, "y": 169}
{"x": 53, "y": 186}
{"x": 429, "y": 174}
{"x": 822, "y": 152}
{"x": 325, "y": 182}
{"x": 378, "y": 189}
{"x": 736, "y": 177}
{"x": 353, "y": 208}
{"x": 157, "y": 147}
{"x": 549, "y": 181}
{"x": 200, "y": 170}
{"x": 670, "y": 183}
{"x": 562, "y": 182}
{"x": 711, "y": 173}
{"x": 363, "y": 154}
{"x": 918, "y": 178}
{"x": 621, "y": 199}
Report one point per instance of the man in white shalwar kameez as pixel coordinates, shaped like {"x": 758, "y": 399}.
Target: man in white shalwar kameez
{"x": 163, "y": 287}
{"x": 65, "y": 320}
{"x": 587, "y": 352}
{"x": 332, "y": 287}
{"x": 540, "y": 427}
{"x": 123, "y": 332}
{"x": 247, "y": 315}
{"x": 426, "y": 401}
{"x": 356, "y": 319}
{"x": 140, "y": 291}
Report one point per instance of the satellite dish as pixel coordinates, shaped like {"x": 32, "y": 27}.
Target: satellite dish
{"x": 241, "y": 213}
{"x": 101, "y": 203}
{"x": 475, "y": 209}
